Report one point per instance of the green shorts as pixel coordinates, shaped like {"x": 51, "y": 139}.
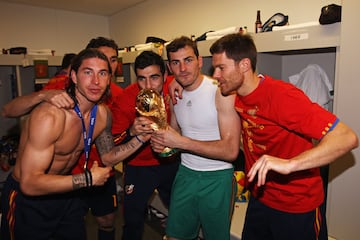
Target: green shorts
{"x": 201, "y": 199}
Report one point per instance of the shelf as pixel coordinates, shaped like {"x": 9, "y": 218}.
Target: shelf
{"x": 312, "y": 37}
{"x": 27, "y": 60}
{"x": 299, "y": 39}
{"x": 129, "y": 57}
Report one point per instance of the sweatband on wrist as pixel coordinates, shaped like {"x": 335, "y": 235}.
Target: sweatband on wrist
{"x": 88, "y": 178}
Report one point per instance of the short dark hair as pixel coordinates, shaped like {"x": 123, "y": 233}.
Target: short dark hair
{"x": 148, "y": 58}
{"x": 236, "y": 47}
{"x": 179, "y": 43}
{"x": 76, "y": 63}
{"x": 103, "y": 42}
{"x": 66, "y": 61}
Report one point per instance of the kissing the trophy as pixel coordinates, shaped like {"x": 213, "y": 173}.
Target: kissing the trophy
{"x": 149, "y": 103}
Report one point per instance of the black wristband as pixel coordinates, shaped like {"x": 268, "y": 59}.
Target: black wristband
{"x": 139, "y": 140}
{"x": 88, "y": 178}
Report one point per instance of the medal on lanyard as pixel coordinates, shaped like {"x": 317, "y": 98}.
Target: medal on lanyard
{"x": 87, "y": 137}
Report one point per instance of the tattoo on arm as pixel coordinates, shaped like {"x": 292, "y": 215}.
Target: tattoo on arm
{"x": 104, "y": 142}
{"x": 79, "y": 181}
{"x": 126, "y": 147}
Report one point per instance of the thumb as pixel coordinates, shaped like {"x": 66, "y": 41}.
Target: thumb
{"x": 95, "y": 164}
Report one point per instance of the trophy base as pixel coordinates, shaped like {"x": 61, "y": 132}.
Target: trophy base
{"x": 167, "y": 152}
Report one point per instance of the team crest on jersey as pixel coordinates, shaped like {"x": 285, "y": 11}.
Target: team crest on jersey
{"x": 129, "y": 188}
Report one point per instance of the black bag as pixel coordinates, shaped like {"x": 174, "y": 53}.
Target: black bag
{"x": 278, "y": 19}
{"x": 330, "y": 14}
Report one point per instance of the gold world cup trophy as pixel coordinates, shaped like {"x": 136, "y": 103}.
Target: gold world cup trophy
{"x": 150, "y": 103}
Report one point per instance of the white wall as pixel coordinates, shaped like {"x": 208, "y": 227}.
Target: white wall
{"x": 168, "y": 19}
{"x": 344, "y": 195}
{"x": 44, "y": 28}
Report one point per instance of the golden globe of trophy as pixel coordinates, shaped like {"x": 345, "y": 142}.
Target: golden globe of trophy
{"x": 149, "y": 103}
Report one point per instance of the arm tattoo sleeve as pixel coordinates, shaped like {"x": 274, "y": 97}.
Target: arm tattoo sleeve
{"x": 104, "y": 142}
{"x": 126, "y": 147}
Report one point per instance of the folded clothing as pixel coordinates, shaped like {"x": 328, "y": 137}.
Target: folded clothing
{"x": 223, "y": 31}
{"x": 300, "y": 25}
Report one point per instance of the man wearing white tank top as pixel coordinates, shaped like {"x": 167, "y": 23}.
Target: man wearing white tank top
{"x": 206, "y": 129}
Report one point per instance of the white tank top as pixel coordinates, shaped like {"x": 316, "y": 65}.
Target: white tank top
{"x": 197, "y": 117}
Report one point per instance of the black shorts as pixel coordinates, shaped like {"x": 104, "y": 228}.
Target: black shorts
{"x": 265, "y": 223}
{"x": 101, "y": 200}
{"x": 57, "y": 216}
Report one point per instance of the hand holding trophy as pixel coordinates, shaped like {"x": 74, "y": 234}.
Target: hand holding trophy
{"x": 149, "y": 103}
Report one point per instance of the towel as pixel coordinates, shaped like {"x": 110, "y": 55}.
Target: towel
{"x": 315, "y": 83}
{"x": 301, "y": 25}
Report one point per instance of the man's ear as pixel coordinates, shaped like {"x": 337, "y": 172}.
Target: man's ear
{"x": 245, "y": 64}
{"x": 200, "y": 59}
{"x": 73, "y": 76}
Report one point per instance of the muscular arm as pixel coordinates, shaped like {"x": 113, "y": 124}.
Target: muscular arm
{"x": 227, "y": 148}
{"x": 335, "y": 144}
{"x": 44, "y": 127}
{"x": 112, "y": 155}
{"x": 24, "y": 104}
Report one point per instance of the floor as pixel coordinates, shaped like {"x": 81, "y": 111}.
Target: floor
{"x": 153, "y": 227}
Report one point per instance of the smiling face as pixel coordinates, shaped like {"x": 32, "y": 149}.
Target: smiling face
{"x": 92, "y": 79}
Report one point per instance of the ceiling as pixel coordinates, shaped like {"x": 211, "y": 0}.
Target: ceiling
{"x": 98, "y": 7}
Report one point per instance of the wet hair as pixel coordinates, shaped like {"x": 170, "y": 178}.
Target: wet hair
{"x": 66, "y": 61}
{"x": 236, "y": 47}
{"x": 179, "y": 43}
{"x": 148, "y": 58}
{"x": 76, "y": 63}
{"x": 103, "y": 42}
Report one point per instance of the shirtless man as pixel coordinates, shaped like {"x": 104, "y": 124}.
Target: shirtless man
{"x": 37, "y": 201}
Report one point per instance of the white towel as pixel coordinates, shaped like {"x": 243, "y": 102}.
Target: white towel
{"x": 223, "y": 31}
{"x": 145, "y": 46}
{"x": 315, "y": 83}
{"x": 301, "y": 25}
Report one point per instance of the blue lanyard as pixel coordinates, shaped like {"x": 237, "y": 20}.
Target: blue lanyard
{"x": 87, "y": 138}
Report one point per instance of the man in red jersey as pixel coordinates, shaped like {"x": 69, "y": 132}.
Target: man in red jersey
{"x": 144, "y": 171}
{"x": 101, "y": 200}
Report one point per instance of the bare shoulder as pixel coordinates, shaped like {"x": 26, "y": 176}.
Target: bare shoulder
{"x": 103, "y": 109}
{"x": 48, "y": 112}
{"x": 103, "y": 117}
{"x": 47, "y": 121}
{"x": 104, "y": 113}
